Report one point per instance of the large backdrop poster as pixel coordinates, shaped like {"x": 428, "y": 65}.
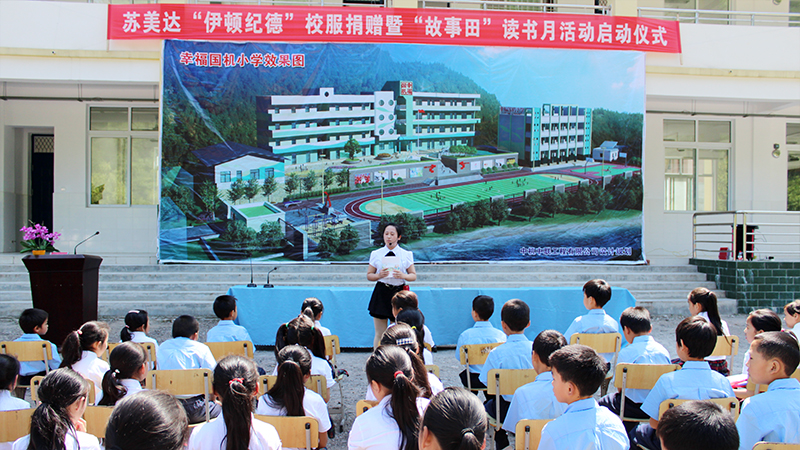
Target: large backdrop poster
{"x": 300, "y": 152}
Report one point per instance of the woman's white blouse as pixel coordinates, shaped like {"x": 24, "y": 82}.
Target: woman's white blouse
{"x": 406, "y": 260}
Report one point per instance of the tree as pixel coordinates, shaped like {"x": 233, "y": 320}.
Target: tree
{"x": 328, "y": 177}
{"x": 530, "y": 207}
{"x": 343, "y": 177}
{"x": 627, "y": 193}
{"x": 499, "y": 210}
{"x": 292, "y": 183}
{"x": 309, "y": 181}
{"x": 589, "y": 199}
{"x": 270, "y": 235}
{"x": 348, "y": 240}
{"x": 251, "y": 189}
{"x": 183, "y": 197}
{"x": 240, "y": 236}
{"x": 452, "y": 222}
{"x": 352, "y": 147}
{"x": 269, "y": 187}
{"x": 328, "y": 242}
{"x": 236, "y": 191}
{"x": 482, "y": 213}
{"x": 209, "y": 195}
{"x": 555, "y": 203}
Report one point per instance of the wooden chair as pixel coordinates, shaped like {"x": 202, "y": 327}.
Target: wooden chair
{"x": 775, "y": 446}
{"x": 475, "y": 354}
{"x": 223, "y": 349}
{"x": 727, "y": 346}
{"x": 432, "y": 368}
{"x": 638, "y": 376}
{"x": 363, "y": 405}
{"x": 182, "y": 382}
{"x": 295, "y": 432}
{"x": 37, "y": 380}
{"x": 505, "y": 382}
{"x": 529, "y": 432}
{"x": 730, "y": 404}
{"x": 601, "y": 343}
{"x": 428, "y": 347}
{"x": 15, "y": 424}
{"x": 333, "y": 348}
{"x": 148, "y": 346}
{"x": 316, "y": 383}
{"x": 28, "y": 351}
{"x": 96, "y": 418}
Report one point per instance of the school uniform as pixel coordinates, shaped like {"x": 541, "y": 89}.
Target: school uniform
{"x": 427, "y": 356}
{"x": 10, "y": 403}
{"x": 534, "y": 400}
{"x": 323, "y": 330}
{"x": 313, "y": 405}
{"x": 140, "y": 337}
{"x": 433, "y": 381}
{"x": 227, "y": 331}
{"x": 212, "y": 435}
{"x": 718, "y": 363}
{"x": 91, "y": 367}
{"x": 376, "y": 429}
{"x": 73, "y": 440}
{"x": 585, "y": 425}
{"x": 183, "y": 353}
{"x": 481, "y": 333}
{"x": 319, "y": 366}
{"x": 29, "y": 369}
{"x": 131, "y": 386}
{"x": 795, "y": 330}
{"x": 595, "y": 322}
{"x": 772, "y": 416}
{"x": 380, "y": 304}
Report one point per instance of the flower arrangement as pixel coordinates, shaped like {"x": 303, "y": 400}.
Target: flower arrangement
{"x": 38, "y": 237}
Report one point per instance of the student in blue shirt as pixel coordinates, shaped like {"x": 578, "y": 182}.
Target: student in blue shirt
{"x": 578, "y": 372}
{"x": 481, "y": 333}
{"x": 226, "y": 330}
{"x": 596, "y": 293}
{"x": 536, "y": 400}
{"x": 698, "y": 425}
{"x": 773, "y": 416}
{"x": 695, "y": 339}
{"x": 33, "y": 322}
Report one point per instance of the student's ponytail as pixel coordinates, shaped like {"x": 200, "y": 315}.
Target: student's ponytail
{"x": 82, "y": 339}
{"x": 124, "y": 361}
{"x": 236, "y": 382}
{"x": 294, "y": 363}
{"x": 708, "y": 301}
{"x": 134, "y": 320}
{"x": 301, "y": 331}
{"x": 457, "y": 420}
{"x": 404, "y": 337}
{"x": 391, "y": 367}
{"x": 316, "y": 306}
{"x": 416, "y": 320}
{"x": 51, "y": 422}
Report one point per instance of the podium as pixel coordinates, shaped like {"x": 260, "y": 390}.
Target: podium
{"x": 66, "y": 287}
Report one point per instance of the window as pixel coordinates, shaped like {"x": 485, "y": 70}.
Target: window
{"x": 239, "y": 175}
{"x": 253, "y": 174}
{"x": 225, "y": 177}
{"x": 123, "y": 154}
{"x": 793, "y": 172}
{"x": 696, "y": 171}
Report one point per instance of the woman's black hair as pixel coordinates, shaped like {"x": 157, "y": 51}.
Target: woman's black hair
{"x": 236, "y": 383}
{"x": 390, "y": 366}
{"x": 82, "y": 339}
{"x": 9, "y": 369}
{"x": 134, "y": 320}
{"x": 301, "y": 331}
{"x": 457, "y": 420}
{"x": 51, "y": 422}
{"x": 792, "y": 307}
{"x": 315, "y": 305}
{"x": 397, "y": 227}
{"x": 147, "y": 420}
{"x": 404, "y": 337}
{"x": 708, "y": 301}
{"x": 124, "y": 361}
{"x": 294, "y": 363}
{"x": 416, "y": 320}
{"x": 765, "y": 320}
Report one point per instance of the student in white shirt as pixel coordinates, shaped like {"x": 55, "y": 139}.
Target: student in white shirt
{"x": 408, "y": 300}
{"x": 703, "y": 303}
{"x": 317, "y": 308}
{"x": 403, "y": 336}
{"x": 149, "y": 420}
{"x": 128, "y": 367}
{"x": 454, "y": 420}
{"x": 137, "y": 325}
{"x": 56, "y": 423}
{"x": 9, "y": 373}
{"x": 289, "y": 396}
{"x": 235, "y": 384}
{"x": 81, "y": 352}
{"x": 758, "y": 321}
{"x": 791, "y": 314}
{"x": 301, "y": 331}
{"x": 416, "y": 320}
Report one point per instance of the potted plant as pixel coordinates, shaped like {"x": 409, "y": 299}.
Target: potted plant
{"x": 38, "y": 239}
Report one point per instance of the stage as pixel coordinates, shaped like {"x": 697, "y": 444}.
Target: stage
{"x": 447, "y": 311}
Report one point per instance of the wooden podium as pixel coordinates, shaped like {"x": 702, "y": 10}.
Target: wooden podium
{"x": 66, "y": 287}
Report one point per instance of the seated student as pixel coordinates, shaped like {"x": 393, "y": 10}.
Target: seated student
{"x": 137, "y": 325}
{"x": 703, "y": 303}
{"x": 791, "y": 314}
{"x": 9, "y": 372}
{"x": 454, "y": 420}
{"x": 33, "y": 322}
{"x": 536, "y": 400}
{"x": 236, "y": 385}
{"x": 184, "y": 352}
{"x": 409, "y": 300}
{"x": 481, "y": 333}
{"x": 641, "y": 349}
{"x": 578, "y": 371}
{"x": 127, "y": 369}
{"x": 596, "y": 293}
{"x": 82, "y": 350}
{"x": 226, "y": 330}
{"x": 513, "y": 354}
{"x": 695, "y": 339}
{"x": 403, "y": 336}
{"x": 758, "y": 321}
{"x": 698, "y": 425}
{"x": 301, "y": 331}
{"x": 416, "y": 320}
{"x": 317, "y": 308}
{"x": 149, "y": 420}
{"x": 772, "y": 416}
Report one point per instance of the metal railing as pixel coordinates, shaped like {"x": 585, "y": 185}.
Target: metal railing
{"x": 721, "y": 17}
{"x": 746, "y": 235}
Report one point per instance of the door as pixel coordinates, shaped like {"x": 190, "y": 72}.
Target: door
{"x": 42, "y": 184}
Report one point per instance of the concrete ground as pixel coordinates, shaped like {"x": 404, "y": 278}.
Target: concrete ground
{"x": 354, "y": 387}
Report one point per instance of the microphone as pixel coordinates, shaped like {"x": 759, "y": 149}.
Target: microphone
{"x": 75, "y": 250}
{"x": 251, "y": 284}
{"x": 269, "y": 285}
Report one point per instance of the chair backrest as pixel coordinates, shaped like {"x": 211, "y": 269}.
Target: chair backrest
{"x": 28, "y": 351}
{"x": 182, "y": 382}
{"x": 316, "y": 383}
{"x": 37, "y": 380}
{"x": 332, "y": 348}
{"x": 428, "y": 347}
{"x": 506, "y": 381}
{"x": 432, "y": 368}
{"x": 640, "y": 376}
{"x": 96, "y": 418}
{"x": 600, "y": 342}
{"x": 730, "y": 404}
{"x": 475, "y": 353}
{"x": 223, "y": 349}
{"x": 726, "y": 346}
{"x": 363, "y": 405}
{"x": 295, "y": 432}
{"x": 775, "y": 446}
{"x": 529, "y": 432}
{"x": 149, "y": 347}
{"x": 15, "y": 424}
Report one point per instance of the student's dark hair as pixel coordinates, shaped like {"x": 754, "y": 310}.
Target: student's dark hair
{"x": 636, "y": 318}
{"x": 405, "y": 300}
{"x": 780, "y": 345}
{"x": 32, "y": 318}
{"x": 765, "y": 320}
{"x": 792, "y": 307}
{"x": 396, "y": 226}
{"x": 698, "y": 335}
{"x": 599, "y": 290}
{"x": 390, "y": 366}
{"x": 580, "y": 365}
{"x": 708, "y": 301}
{"x": 82, "y": 339}
{"x": 50, "y": 422}
{"x": 9, "y": 369}
{"x": 301, "y": 331}
{"x": 224, "y": 306}
{"x": 134, "y": 320}
{"x": 294, "y": 362}
{"x": 315, "y": 305}
{"x": 698, "y": 425}
{"x": 147, "y": 420}
{"x": 547, "y": 342}
{"x": 236, "y": 382}
{"x": 124, "y": 361}
{"x": 457, "y": 420}
{"x": 404, "y": 337}
{"x": 516, "y": 314}
{"x": 416, "y": 320}
{"x": 185, "y": 326}
{"x": 483, "y": 305}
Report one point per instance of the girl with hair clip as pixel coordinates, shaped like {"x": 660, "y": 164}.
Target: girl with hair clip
{"x": 758, "y": 321}
{"x": 81, "y": 352}
{"x": 290, "y": 397}
{"x": 301, "y": 331}
{"x": 703, "y": 303}
{"x": 454, "y": 420}
{"x": 56, "y": 423}
{"x": 317, "y": 308}
{"x": 149, "y": 420}
{"x": 9, "y": 372}
{"x": 416, "y": 320}
{"x": 137, "y": 325}
{"x": 791, "y": 314}
{"x": 128, "y": 367}
{"x": 394, "y": 422}
{"x": 236, "y": 385}
{"x": 406, "y": 338}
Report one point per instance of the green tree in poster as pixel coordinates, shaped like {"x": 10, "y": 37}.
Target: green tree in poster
{"x": 352, "y": 147}
{"x": 499, "y": 210}
{"x": 292, "y": 183}
{"x": 209, "y": 195}
{"x": 348, "y": 240}
{"x": 555, "y": 203}
{"x": 343, "y": 177}
{"x": 530, "y": 207}
{"x": 589, "y": 199}
{"x": 328, "y": 242}
{"x": 240, "y": 236}
{"x": 328, "y": 177}
{"x": 269, "y": 187}
{"x": 251, "y": 189}
{"x": 236, "y": 191}
{"x": 270, "y": 235}
{"x": 309, "y": 181}
{"x": 452, "y": 222}
{"x": 482, "y": 213}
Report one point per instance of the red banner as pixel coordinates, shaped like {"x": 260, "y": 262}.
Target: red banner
{"x": 391, "y": 25}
